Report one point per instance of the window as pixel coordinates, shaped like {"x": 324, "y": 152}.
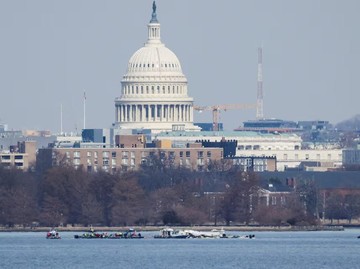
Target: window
{"x": 113, "y": 154}
{"x": 187, "y": 154}
{"x": 208, "y": 154}
{"x": 282, "y": 200}
{"x": 273, "y": 200}
{"x": 181, "y": 154}
{"x": 105, "y": 154}
{"x": 200, "y": 154}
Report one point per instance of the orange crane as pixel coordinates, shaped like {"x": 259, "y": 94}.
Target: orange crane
{"x": 217, "y": 108}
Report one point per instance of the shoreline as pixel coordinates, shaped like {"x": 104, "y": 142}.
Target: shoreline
{"x": 198, "y": 228}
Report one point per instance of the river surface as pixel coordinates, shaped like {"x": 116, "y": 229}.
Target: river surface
{"x": 268, "y": 250}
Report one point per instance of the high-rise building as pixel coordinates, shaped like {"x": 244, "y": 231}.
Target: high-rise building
{"x": 154, "y": 92}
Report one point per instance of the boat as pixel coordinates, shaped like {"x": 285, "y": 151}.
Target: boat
{"x": 91, "y": 234}
{"x": 53, "y": 234}
{"x": 169, "y": 233}
{"x": 129, "y": 234}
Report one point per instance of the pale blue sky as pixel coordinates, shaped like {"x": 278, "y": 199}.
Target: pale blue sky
{"x": 50, "y": 51}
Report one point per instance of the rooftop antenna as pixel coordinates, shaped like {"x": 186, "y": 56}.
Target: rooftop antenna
{"x": 259, "y": 100}
{"x": 84, "y": 108}
{"x": 61, "y": 120}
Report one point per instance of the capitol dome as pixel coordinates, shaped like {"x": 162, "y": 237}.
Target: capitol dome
{"x": 154, "y": 58}
{"x": 154, "y": 92}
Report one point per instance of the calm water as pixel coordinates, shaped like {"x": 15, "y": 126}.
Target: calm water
{"x": 268, "y": 250}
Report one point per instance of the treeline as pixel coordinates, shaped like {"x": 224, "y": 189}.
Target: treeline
{"x": 157, "y": 194}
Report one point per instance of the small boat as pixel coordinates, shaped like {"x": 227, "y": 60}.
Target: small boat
{"x": 129, "y": 234}
{"x": 358, "y": 236}
{"x": 91, "y": 234}
{"x": 53, "y": 234}
{"x": 168, "y": 233}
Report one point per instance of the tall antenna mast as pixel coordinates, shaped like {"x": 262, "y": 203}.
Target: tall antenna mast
{"x": 61, "y": 120}
{"x": 259, "y": 100}
{"x": 84, "y": 108}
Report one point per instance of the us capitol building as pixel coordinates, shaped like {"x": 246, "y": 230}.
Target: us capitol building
{"x": 154, "y": 92}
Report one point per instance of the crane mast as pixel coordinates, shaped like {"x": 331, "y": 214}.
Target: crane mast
{"x": 216, "y": 109}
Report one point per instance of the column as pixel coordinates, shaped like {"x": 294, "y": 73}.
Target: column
{"x": 125, "y": 113}
{"x": 155, "y": 112}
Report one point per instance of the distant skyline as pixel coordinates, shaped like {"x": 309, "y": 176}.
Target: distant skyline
{"x": 52, "y": 51}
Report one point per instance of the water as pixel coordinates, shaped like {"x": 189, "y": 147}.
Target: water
{"x": 267, "y": 250}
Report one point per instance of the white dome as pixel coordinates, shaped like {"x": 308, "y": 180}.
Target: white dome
{"x": 154, "y": 59}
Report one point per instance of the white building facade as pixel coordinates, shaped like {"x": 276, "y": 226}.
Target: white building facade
{"x": 285, "y": 147}
{"x": 154, "y": 92}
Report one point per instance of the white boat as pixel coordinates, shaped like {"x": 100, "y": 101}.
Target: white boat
{"x": 167, "y": 233}
{"x": 53, "y": 234}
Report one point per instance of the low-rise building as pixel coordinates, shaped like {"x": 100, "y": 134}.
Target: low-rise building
{"x": 130, "y": 154}
{"x": 21, "y": 156}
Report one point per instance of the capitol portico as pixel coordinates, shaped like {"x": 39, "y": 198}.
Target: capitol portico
{"x": 154, "y": 92}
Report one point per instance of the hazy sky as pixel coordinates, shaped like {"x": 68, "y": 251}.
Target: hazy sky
{"x": 53, "y": 50}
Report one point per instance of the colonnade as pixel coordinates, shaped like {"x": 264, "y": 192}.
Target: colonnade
{"x": 154, "y": 113}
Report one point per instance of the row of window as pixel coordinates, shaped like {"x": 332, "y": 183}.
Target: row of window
{"x": 152, "y": 90}
{"x": 152, "y": 65}
{"x": 8, "y": 157}
{"x": 257, "y": 147}
{"x": 131, "y": 154}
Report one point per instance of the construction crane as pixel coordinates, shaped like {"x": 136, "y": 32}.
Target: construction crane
{"x": 217, "y": 108}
